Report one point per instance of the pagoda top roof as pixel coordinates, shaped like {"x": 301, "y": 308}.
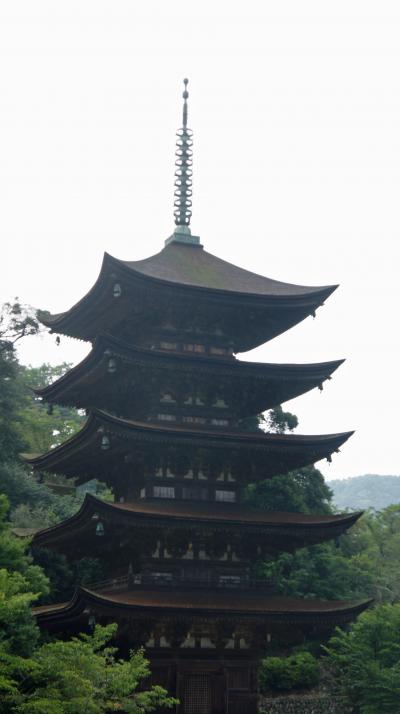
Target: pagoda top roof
{"x": 204, "y": 602}
{"x": 186, "y": 269}
{"x": 193, "y": 266}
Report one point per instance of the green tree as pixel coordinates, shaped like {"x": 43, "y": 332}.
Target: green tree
{"x": 42, "y": 426}
{"x": 362, "y": 563}
{"x": 82, "y": 674}
{"x": 33, "y": 504}
{"x": 279, "y": 422}
{"x": 18, "y": 631}
{"x": 320, "y": 571}
{"x": 366, "y": 662}
{"x": 25, "y": 421}
{"x": 374, "y": 543}
{"x": 301, "y": 491}
{"x": 275, "y": 420}
{"x": 16, "y": 321}
{"x": 283, "y": 674}
{"x": 20, "y": 486}
{"x": 21, "y": 582}
{"x": 14, "y": 556}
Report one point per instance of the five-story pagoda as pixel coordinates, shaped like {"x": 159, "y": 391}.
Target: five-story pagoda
{"x": 166, "y": 399}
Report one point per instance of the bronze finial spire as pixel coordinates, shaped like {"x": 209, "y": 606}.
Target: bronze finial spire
{"x": 183, "y": 171}
{"x": 183, "y": 179}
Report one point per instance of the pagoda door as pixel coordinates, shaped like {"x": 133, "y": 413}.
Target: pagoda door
{"x": 201, "y": 693}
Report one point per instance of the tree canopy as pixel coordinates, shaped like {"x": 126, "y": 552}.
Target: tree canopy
{"x": 366, "y": 661}
{"x": 83, "y": 674}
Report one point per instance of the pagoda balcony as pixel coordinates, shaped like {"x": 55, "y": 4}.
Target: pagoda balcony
{"x": 167, "y": 581}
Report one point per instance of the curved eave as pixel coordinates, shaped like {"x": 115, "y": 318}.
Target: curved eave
{"x": 306, "y": 300}
{"x": 131, "y": 430}
{"x": 178, "y": 514}
{"x": 302, "y": 376}
{"x": 197, "y": 603}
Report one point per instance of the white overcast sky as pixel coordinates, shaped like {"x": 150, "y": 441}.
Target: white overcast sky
{"x": 295, "y": 108}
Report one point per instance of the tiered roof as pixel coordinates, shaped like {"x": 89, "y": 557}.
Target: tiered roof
{"x": 293, "y": 529}
{"x": 252, "y": 308}
{"x": 251, "y": 456}
{"x": 258, "y": 386}
{"x": 164, "y": 603}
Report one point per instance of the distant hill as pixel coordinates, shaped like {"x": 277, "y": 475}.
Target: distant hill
{"x": 369, "y": 491}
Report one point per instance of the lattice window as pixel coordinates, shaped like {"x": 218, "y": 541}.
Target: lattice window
{"x": 197, "y": 694}
{"x": 229, "y": 581}
{"x": 226, "y": 496}
{"x": 164, "y": 491}
{"x": 194, "y": 420}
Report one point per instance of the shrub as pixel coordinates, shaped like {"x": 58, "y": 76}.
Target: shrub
{"x": 299, "y": 671}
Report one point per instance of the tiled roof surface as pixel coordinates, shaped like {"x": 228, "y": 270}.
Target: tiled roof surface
{"x": 191, "y": 265}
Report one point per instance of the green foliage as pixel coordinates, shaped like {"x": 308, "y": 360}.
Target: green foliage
{"x": 16, "y": 322}
{"x": 18, "y": 631}
{"x": 65, "y": 577}
{"x": 279, "y": 422}
{"x": 25, "y": 423}
{"x": 13, "y": 556}
{"x": 11, "y": 400}
{"x": 33, "y": 504}
{"x": 363, "y": 563}
{"x": 373, "y": 546}
{"x": 18, "y": 484}
{"x": 366, "y": 660}
{"x": 82, "y": 674}
{"x": 301, "y": 491}
{"x": 21, "y": 583}
{"x": 275, "y": 420}
{"x": 299, "y": 671}
{"x": 320, "y": 571}
{"x": 44, "y": 427}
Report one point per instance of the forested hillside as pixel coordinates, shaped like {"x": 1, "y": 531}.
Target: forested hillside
{"x": 363, "y": 492}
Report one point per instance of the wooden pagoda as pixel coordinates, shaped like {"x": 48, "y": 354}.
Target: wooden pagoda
{"x": 166, "y": 399}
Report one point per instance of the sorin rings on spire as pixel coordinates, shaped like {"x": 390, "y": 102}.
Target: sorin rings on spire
{"x": 183, "y": 170}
